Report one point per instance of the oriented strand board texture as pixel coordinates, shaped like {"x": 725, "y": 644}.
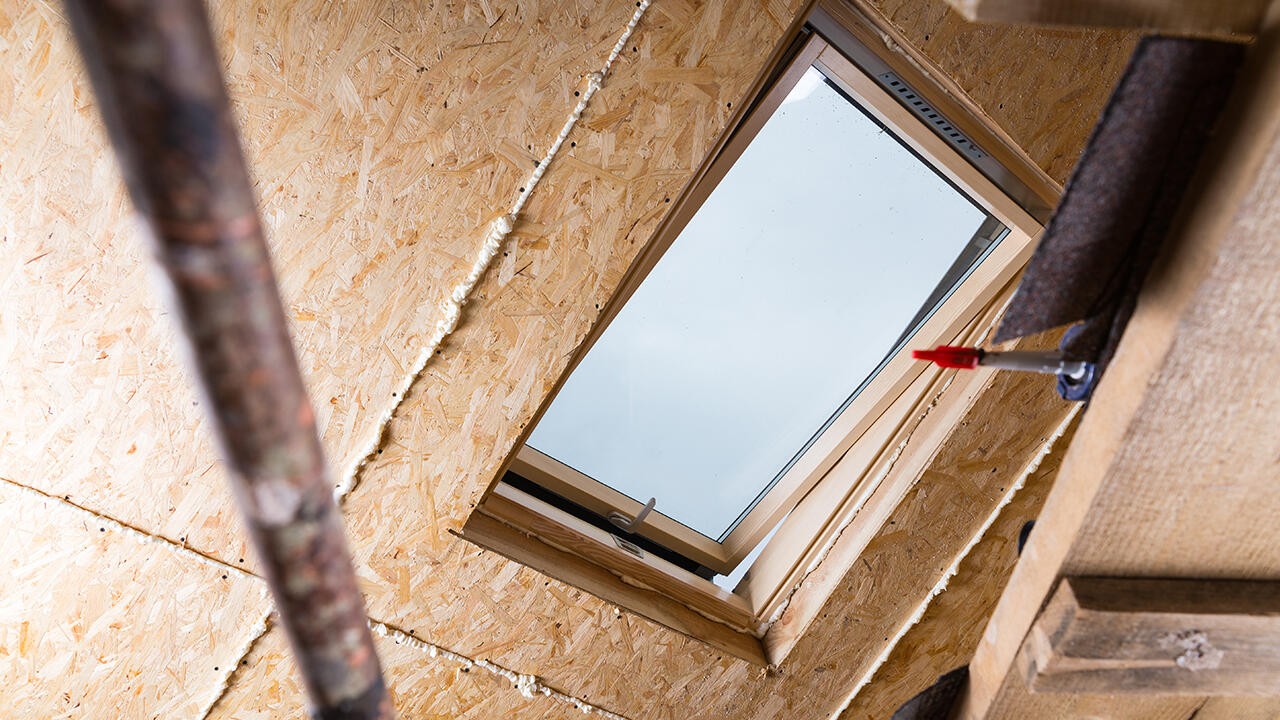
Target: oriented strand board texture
{"x": 266, "y": 687}
{"x": 949, "y": 631}
{"x": 94, "y": 623}
{"x": 384, "y": 136}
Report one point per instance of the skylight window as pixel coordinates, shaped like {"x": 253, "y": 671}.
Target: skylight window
{"x": 750, "y": 374}
{"x": 801, "y": 272}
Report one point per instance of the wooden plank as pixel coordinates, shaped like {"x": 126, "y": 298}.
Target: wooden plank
{"x": 1203, "y": 18}
{"x": 1172, "y": 474}
{"x": 561, "y": 530}
{"x": 505, "y": 540}
{"x": 594, "y": 495}
{"x": 1175, "y": 637}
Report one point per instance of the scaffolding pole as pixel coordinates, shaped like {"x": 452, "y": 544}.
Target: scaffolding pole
{"x": 158, "y": 81}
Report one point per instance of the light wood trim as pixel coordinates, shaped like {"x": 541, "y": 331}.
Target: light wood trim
{"x": 600, "y": 498}
{"x": 1222, "y": 19}
{"x": 898, "y": 374}
{"x": 805, "y": 605}
{"x": 856, "y": 478}
{"x": 925, "y": 422}
{"x": 977, "y": 290}
{"x": 841, "y": 493}
{"x": 556, "y": 527}
{"x": 1108, "y": 636}
{"x": 522, "y": 548}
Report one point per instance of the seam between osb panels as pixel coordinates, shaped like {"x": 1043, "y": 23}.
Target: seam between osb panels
{"x": 106, "y": 522}
{"x": 528, "y": 685}
{"x": 451, "y": 309}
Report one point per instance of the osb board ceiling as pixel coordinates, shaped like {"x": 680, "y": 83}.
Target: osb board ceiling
{"x": 83, "y": 630}
{"x": 949, "y": 630}
{"x": 384, "y": 138}
{"x": 374, "y": 199}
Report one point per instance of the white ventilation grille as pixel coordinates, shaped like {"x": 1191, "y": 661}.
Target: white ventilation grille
{"x": 934, "y": 118}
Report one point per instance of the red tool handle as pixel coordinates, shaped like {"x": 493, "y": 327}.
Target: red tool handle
{"x": 951, "y": 356}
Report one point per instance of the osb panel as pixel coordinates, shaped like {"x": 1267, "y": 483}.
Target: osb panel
{"x": 645, "y": 131}
{"x": 342, "y": 130}
{"x": 93, "y": 622}
{"x": 1042, "y": 86}
{"x": 383, "y": 136}
{"x": 266, "y": 687}
{"x": 950, "y": 628}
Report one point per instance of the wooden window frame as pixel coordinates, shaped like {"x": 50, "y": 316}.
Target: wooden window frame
{"x": 834, "y": 482}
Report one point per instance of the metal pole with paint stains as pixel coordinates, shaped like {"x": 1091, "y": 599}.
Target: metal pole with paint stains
{"x": 158, "y": 81}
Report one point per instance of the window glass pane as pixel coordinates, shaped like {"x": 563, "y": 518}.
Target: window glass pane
{"x": 783, "y": 294}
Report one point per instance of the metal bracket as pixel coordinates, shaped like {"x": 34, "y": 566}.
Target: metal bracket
{"x": 631, "y": 524}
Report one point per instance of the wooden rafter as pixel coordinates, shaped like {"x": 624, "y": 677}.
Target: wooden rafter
{"x": 1172, "y": 472}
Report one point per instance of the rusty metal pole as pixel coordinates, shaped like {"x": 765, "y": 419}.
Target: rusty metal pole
{"x": 159, "y": 85}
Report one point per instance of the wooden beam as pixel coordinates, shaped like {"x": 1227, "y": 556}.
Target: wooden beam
{"x": 1172, "y": 473}
{"x": 558, "y": 528}
{"x": 1176, "y": 637}
{"x": 1224, "y": 19}
{"x": 505, "y": 540}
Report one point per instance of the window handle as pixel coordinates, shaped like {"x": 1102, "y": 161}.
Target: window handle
{"x": 631, "y": 524}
